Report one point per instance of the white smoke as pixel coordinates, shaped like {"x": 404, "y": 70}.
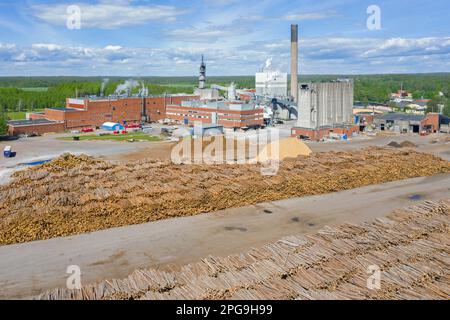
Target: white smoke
{"x": 268, "y": 63}
{"x": 144, "y": 90}
{"x": 126, "y": 87}
{"x": 104, "y": 83}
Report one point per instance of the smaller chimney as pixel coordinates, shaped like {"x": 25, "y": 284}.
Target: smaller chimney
{"x": 202, "y": 77}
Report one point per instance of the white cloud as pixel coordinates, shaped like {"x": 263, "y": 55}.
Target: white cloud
{"x": 308, "y": 16}
{"x": 317, "y": 55}
{"x": 113, "y": 48}
{"x": 409, "y": 47}
{"x": 47, "y": 46}
{"x": 108, "y": 14}
{"x": 207, "y": 33}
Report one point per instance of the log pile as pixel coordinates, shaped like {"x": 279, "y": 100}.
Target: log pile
{"x": 73, "y": 195}
{"x": 410, "y": 247}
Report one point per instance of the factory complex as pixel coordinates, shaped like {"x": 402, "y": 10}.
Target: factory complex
{"x": 317, "y": 110}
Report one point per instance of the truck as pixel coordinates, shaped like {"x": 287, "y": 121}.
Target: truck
{"x": 7, "y": 152}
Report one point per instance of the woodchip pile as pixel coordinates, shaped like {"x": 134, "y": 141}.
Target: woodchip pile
{"x": 73, "y": 195}
{"x": 411, "y": 248}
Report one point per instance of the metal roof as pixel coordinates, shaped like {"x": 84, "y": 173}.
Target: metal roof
{"x": 66, "y": 109}
{"x": 401, "y": 117}
{"x": 17, "y": 123}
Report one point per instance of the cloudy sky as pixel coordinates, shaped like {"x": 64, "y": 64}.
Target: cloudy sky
{"x": 167, "y": 37}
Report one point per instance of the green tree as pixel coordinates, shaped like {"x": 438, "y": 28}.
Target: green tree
{"x": 446, "y": 110}
{"x": 433, "y": 105}
{"x": 3, "y": 123}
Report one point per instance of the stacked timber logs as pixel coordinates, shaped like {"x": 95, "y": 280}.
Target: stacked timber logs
{"x": 73, "y": 195}
{"x": 410, "y": 248}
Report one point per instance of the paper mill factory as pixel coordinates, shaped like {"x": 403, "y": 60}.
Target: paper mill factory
{"x": 318, "y": 108}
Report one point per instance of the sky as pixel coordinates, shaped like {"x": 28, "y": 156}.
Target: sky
{"x": 167, "y": 38}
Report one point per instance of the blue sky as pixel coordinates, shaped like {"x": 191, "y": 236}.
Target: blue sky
{"x": 166, "y": 38}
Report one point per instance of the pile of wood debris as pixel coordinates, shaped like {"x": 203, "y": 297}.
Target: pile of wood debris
{"x": 410, "y": 249}
{"x": 73, "y": 195}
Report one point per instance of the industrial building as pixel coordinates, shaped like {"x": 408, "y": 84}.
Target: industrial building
{"x": 38, "y": 126}
{"x": 272, "y": 83}
{"x": 235, "y": 111}
{"x": 205, "y": 107}
{"x": 325, "y": 107}
{"x": 406, "y": 123}
{"x": 325, "y": 104}
{"x": 230, "y": 114}
{"x": 94, "y": 111}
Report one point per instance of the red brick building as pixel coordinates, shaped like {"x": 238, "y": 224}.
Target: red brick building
{"x": 227, "y": 114}
{"x": 318, "y": 134}
{"x": 86, "y": 112}
{"x": 39, "y": 126}
{"x": 431, "y": 122}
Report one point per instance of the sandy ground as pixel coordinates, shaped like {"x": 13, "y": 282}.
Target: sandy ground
{"x": 441, "y": 149}
{"x": 27, "y": 269}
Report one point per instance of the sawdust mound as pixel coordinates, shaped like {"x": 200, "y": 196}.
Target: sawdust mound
{"x": 404, "y": 144}
{"x": 410, "y": 247}
{"x": 73, "y": 195}
{"x": 408, "y": 144}
{"x": 283, "y": 149}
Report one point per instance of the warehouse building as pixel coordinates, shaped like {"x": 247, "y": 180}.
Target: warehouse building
{"x": 406, "y": 123}
{"x": 39, "y": 126}
{"x": 399, "y": 122}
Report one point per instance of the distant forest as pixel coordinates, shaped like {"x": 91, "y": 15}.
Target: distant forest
{"x": 36, "y": 93}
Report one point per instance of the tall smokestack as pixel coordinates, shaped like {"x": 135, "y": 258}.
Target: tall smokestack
{"x": 294, "y": 62}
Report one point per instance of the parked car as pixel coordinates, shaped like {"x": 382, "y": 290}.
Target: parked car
{"x": 147, "y": 129}
{"x": 86, "y": 130}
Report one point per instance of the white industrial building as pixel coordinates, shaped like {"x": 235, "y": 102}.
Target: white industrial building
{"x": 271, "y": 83}
{"x": 325, "y": 104}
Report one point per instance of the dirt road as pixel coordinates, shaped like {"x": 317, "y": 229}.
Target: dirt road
{"x": 423, "y": 143}
{"x": 27, "y": 269}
